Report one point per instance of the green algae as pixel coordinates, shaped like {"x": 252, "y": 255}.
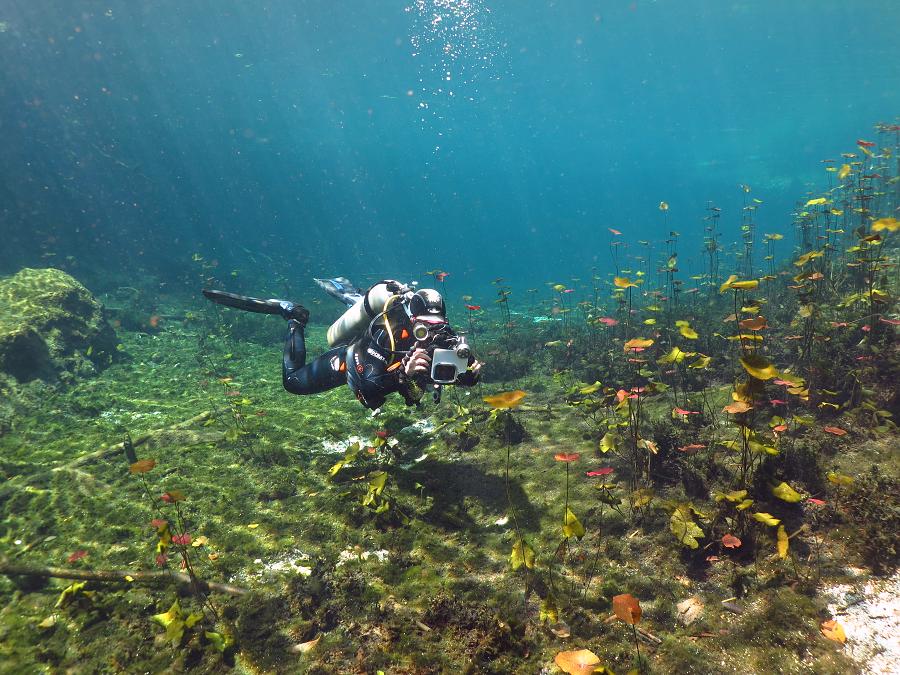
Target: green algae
{"x": 50, "y": 325}
{"x": 432, "y": 595}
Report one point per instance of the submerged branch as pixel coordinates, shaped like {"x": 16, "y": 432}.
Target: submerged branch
{"x": 114, "y": 576}
{"x": 118, "y": 448}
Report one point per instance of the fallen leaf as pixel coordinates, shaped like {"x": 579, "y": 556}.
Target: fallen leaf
{"x": 730, "y": 541}
{"x": 561, "y": 629}
{"x": 837, "y": 431}
{"x": 578, "y": 662}
{"x": 834, "y": 631}
{"x": 305, "y": 647}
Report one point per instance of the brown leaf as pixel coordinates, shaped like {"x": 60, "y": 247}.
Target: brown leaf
{"x": 758, "y": 323}
{"x": 737, "y": 407}
{"x": 142, "y": 466}
{"x": 627, "y": 608}
{"x": 730, "y": 541}
{"x": 578, "y": 662}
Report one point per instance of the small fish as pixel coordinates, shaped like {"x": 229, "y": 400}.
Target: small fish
{"x": 614, "y": 231}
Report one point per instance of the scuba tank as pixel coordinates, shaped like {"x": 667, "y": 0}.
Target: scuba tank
{"x": 357, "y": 318}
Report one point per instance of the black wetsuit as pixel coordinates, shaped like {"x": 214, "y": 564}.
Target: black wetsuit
{"x": 371, "y": 370}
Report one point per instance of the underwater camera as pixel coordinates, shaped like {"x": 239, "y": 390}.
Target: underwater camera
{"x": 449, "y": 353}
{"x": 448, "y": 364}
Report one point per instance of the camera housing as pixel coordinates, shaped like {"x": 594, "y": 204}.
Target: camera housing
{"x": 448, "y": 364}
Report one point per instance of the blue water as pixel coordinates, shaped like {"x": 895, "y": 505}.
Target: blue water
{"x": 291, "y": 139}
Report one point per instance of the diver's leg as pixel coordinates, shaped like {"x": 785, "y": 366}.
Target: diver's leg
{"x": 321, "y": 374}
{"x": 294, "y": 347}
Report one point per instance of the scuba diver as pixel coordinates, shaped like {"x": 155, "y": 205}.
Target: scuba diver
{"x": 391, "y": 338}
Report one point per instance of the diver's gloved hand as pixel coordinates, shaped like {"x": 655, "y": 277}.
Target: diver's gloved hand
{"x": 417, "y": 362}
{"x": 471, "y": 377}
{"x": 298, "y": 313}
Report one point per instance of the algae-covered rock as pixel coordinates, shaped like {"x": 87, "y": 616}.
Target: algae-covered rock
{"x": 51, "y": 327}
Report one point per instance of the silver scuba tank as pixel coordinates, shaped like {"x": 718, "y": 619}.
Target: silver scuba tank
{"x": 358, "y": 317}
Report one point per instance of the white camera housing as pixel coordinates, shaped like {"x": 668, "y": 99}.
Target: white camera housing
{"x": 446, "y": 362}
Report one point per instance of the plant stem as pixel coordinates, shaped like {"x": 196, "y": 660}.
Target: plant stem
{"x": 637, "y": 648}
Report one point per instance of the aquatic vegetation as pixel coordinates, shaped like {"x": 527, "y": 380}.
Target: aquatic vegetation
{"x": 716, "y": 434}
{"x": 628, "y": 609}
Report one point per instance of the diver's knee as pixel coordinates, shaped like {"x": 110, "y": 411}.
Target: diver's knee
{"x": 290, "y": 384}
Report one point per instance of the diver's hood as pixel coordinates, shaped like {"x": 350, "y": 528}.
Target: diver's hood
{"x": 428, "y": 305}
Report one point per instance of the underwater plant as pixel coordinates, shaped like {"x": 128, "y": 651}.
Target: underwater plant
{"x": 522, "y": 554}
{"x": 175, "y": 536}
{"x": 627, "y": 609}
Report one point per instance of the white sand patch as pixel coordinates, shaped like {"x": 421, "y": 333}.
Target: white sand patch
{"x": 869, "y": 611}
{"x": 350, "y": 554}
{"x": 289, "y": 562}
{"x": 340, "y": 447}
{"x": 423, "y": 426}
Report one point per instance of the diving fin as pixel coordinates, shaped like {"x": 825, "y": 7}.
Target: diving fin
{"x": 284, "y": 308}
{"x": 342, "y": 289}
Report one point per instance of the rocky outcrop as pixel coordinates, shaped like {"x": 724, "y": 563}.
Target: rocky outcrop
{"x": 51, "y": 328}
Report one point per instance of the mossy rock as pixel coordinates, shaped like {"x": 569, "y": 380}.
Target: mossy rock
{"x": 51, "y": 327}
